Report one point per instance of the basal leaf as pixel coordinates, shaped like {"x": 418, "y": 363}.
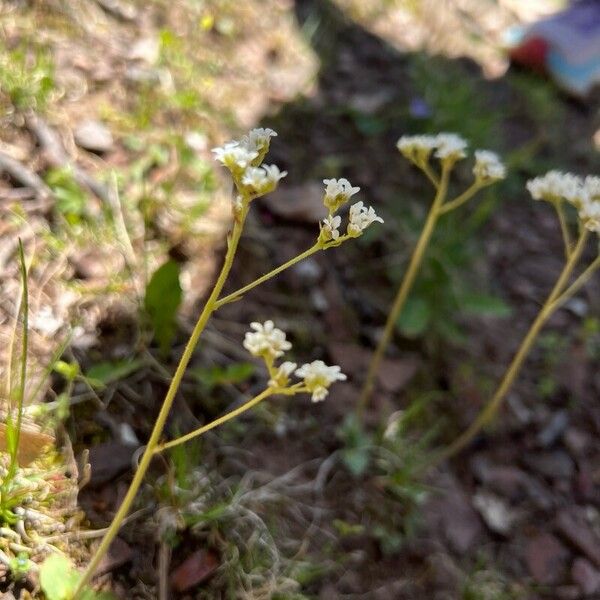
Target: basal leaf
{"x": 163, "y": 297}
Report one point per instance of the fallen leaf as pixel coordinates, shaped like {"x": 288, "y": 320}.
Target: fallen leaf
{"x": 195, "y": 569}
{"x": 32, "y": 443}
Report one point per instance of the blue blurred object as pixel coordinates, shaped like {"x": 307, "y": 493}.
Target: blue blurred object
{"x": 419, "y": 109}
{"x": 565, "y": 45}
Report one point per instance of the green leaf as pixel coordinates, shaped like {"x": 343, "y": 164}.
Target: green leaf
{"x": 369, "y": 125}
{"x": 357, "y": 442}
{"x": 450, "y": 331}
{"x": 11, "y": 435}
{"x": 232, "y": 374}
{"x": 356, "y": 460}
{"x": 68, "y": 370}
{"x": 70, "y": 197}
{"x": 163, "y": 297}
{"x": 20, "y": 565}
{"x": 415, "y": 317}
{"x": 58, "y": 577}
{"x": 92, "y": 595}
{"x": 484, "y": 304}
{"x": 103, "y": 373}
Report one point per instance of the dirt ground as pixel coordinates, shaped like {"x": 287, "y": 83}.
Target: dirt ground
{"x": 278, "y": 504}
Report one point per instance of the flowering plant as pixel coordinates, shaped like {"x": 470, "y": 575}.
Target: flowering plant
{"x": 447, "y": 149}
{"x": 563, "y": 191}
{"x": 252, "y": 179}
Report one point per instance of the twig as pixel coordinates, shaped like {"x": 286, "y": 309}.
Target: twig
{"x": 24, "y": 175}
{"x": 58, "y": 157}
{"x": 119, "y": 10}
{"x": 164, "y": 560}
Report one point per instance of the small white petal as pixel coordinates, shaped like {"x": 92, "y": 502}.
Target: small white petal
{"x": 488, "y": 166}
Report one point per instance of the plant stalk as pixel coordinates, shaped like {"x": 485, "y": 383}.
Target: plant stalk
{"x": 564, "y": 227}
{"x": 464, "y": 197}
{"x": 157, "y": 430}
{"x": 14, "y": 444}
{"x": 491, "y": 408}
{"x": 403, "y": 292}
{"x": 223, "y": 419}
{"x": 239, "y": 293}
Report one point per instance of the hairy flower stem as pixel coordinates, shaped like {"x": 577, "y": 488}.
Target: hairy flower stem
{"x": 159, "y": 425}
{"x": 403, "y": 291}
{"x": 553, "y": 302}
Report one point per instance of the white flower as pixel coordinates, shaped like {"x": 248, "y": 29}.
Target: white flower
{"x": 337, "y": 193}
{"x": 360, "y": 218}
{"x": 556, "y": 185}
{"x": 249, "y": 151}
{"x": 266, "y": 341}
{"x": 592, "y": 187}
{"x": 318, "y": 377}
{"x": 488, "y": 166}
{"x": 450, "y": 146}
{"x": 262, "y": 180}
{"x": 258, "y": 139}
{"x": 235, "y": 156}
{"x": 330, "y": 228}
{"x": 417, "y": 148}
{"x": 282, "y": 376}
{"x": 589, "y": 213}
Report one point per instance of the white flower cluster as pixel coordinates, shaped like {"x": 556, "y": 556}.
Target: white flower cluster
{"x": 418, "y": 148}
{"x": 318, "y": 377}
{"x": 582, "y": 193}
{"x": 234, "y": 156}
{"x": 269, "y": 343}
{"x": 556, "y": 185}
{"x": 360, "y": 218}
{"x": 244, "y": 157}
{"x": 337, "y": 193}
{"x": 488, "y": 166}
{"x": 262, "y": 180}
{"x": 451, "y": 147}
{"x": 266, "y": 341}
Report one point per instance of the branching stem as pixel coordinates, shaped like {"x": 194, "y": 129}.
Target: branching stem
{"x": 404, "y": 290}
{"x": 157, "y": 430}
{"x": 554, "y": 300}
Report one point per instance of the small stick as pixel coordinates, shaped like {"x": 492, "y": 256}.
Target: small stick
{"x": 24, "y": 175}
{"x": 58, "y": 157}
